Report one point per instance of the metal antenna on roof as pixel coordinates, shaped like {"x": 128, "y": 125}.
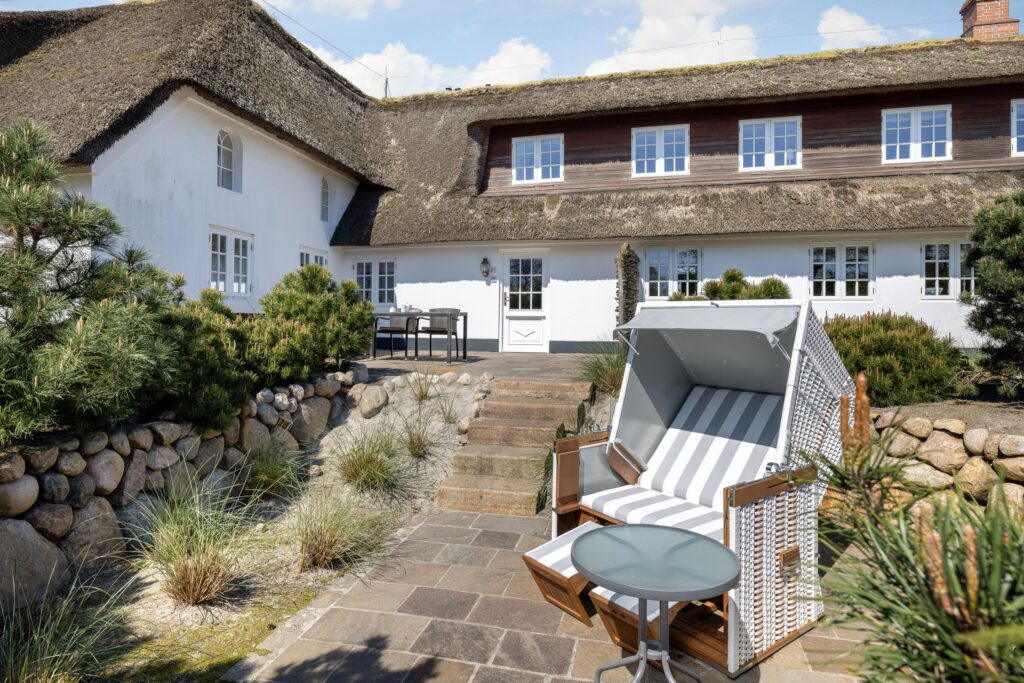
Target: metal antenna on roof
{"x": 386, "y": 84}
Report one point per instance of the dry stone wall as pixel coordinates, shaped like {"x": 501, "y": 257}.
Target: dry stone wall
{"x": 947, "y": 452}
{"x": 59, "y": 495}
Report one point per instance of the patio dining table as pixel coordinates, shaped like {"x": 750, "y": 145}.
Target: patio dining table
{"x": 426, "y": 315}
{"x": 659, "y": 563}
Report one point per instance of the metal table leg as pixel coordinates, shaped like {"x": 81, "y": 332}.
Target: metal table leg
{"x": 644, "y": 652}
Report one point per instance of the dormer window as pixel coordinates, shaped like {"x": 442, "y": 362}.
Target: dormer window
{"x": 917, "y": 134}
{"x": 537, "y": 159}
{"x": 771, "y": 144}
{"x": 229, "y": 159}
{"x": 325, "y": 199}
{"x": 661, "y": 151}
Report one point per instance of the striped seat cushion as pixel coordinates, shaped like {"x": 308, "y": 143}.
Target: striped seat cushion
{"x": 630, "y": 603}
{"x": 555, "y": 553}
{"x": 720, "y": 437}
{"x": 638, "y": 505}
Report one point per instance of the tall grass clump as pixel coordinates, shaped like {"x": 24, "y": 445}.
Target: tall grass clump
{"x": 905, "y": 361}
{"x": 604, "y": 370}
{"x": 71, "y": 636}
{"x": 337, "y": 531}
{"x": 371, "y": 461}
{"x": 192, "y": 542}
{"x": 937, "y": 581}
{"x": 273, "y": 472}
{"x": 420, "y": 384}
{"x": 447, "y": 404}
{"x": 418, "y": 434}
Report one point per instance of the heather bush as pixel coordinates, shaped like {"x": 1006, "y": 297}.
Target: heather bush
{"x": 904, "y": 360}
{"x": 997, "y": 257}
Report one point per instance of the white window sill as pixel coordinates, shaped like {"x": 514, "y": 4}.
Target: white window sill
{"x": 543, "y": 181}
{"x": 898, "y": 162}
{"x": 771, "y": 169}
{"x": 674, "y": 174}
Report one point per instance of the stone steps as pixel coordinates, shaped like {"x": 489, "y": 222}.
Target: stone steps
{"x": 528, "y": 407}
{"x": 484, "y": 493}
{"x": 541, "y": 388}
{"x": 514, "y": 462}
{"x": 512, "y": 432}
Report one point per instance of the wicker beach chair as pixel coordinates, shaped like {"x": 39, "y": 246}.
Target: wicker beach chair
{"x": 721, "y": 405}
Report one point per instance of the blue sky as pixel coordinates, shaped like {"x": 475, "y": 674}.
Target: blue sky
{"x": 432, "y": 44}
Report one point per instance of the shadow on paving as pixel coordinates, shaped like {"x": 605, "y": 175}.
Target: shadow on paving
{"x": 369, "y": 662}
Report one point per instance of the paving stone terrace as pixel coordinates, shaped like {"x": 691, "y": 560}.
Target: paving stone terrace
{"x": 457, "y": 606}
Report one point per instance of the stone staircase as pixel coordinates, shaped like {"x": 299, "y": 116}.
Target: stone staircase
{"x": 501, "y": 468}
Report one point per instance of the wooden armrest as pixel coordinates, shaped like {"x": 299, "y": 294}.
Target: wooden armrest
{"x": 567, "y": 474}
{"x": 624, "y": 463}
{"x": 741, "y": 494}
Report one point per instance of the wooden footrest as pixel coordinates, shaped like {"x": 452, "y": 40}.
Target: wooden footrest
{"x": 557, "y": 579}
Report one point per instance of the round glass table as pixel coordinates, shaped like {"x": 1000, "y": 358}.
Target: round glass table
{"x": 660, "y": 563}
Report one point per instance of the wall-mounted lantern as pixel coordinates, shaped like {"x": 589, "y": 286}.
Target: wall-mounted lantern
{"x": 485, "y": 269}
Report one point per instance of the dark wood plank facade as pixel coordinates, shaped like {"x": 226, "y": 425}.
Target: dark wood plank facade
{"x": 842, "y": 138}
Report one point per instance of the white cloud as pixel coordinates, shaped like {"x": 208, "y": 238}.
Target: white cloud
{"x": 350, "y": 9}
{"x": 515, "y": 61}
{"x": 664, "y": 23}
{"x": 840, "y": 28}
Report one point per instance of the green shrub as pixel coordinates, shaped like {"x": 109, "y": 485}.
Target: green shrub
{"x": 335, "y": 531}
{"x": 212, "y": 383}
{"x": 341, "y": 321}
{"x": 72, "y": 636}
{"x": 733, "y": 285}
{"x": 604, "y": 370}
{"x": 276, "y": 351}
{"x": 904, "y": 360}
{"x": 192, "y": 541}
{"x": 997, "y": 257}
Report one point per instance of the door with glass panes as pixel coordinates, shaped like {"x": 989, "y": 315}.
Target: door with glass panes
{"x": 524, "y": 322}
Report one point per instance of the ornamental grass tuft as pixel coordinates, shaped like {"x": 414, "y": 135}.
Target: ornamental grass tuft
{"x": 371, "y": 460}
{"x": 274, "y": 472}
{"x": 335, "y": 531}
{"x": 604, "y": 370}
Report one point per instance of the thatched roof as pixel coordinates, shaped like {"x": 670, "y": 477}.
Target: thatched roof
{"x": 436, "y": 145}
{"x": 91, "y": 75}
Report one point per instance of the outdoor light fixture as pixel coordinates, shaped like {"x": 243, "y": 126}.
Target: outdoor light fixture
{"x": 485, "y": 268}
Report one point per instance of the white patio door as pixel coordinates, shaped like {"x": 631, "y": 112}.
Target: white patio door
{"x": 524, "y": 321}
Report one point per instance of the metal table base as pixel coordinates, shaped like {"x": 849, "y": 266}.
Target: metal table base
{"x": 646, "y": 652}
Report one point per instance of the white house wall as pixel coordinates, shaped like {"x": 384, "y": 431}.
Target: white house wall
{"x": 160, "y": 180}
{"x": 580, "y": 289}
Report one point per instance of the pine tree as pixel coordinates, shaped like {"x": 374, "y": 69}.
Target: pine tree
{"x": 997, "y": 257}
{"x": 80, "y": 335}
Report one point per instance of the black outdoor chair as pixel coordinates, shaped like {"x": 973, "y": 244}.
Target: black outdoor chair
{"x": 442, "y": 321}
{"x": 404, "y": 323}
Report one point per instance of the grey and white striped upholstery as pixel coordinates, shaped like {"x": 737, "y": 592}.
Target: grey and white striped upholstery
{"x": 555, "y": 553}
{"x": 639, "y": 505}
{"x": 630, "y": 603}
{"x": 720, "y": 437}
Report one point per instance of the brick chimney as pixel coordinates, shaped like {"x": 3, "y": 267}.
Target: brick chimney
{"x": 988, "y": 19}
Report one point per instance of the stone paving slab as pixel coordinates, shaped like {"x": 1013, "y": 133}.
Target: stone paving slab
{"x": 457, "y": 606}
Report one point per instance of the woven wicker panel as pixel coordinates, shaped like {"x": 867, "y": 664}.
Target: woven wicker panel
{"x": 771, "y": 603}
{"x": 821, "y": 380}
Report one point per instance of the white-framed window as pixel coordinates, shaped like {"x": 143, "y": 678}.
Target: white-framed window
{"x": 917, "y": 134}
{"x": 966, "y": 274}
{"x": 364, "y": 279}
{"x": 661, "y": 151}
{"x": 771, "y": 144}
{"x": 314, "y": 256}
{"x": 325, "y": 200}
{"x": 231, "y": 256}
{"x": 228, "y": 159}
{"x": 673, "y": 269}
{"x": 385, "y": 282}
{"x": 537, "y": 159}
{"x": 937, "y": 270}
{"x": 824, "y": 272}
{"x": 842, "y": 271}
{"x": 1017, "y": 128}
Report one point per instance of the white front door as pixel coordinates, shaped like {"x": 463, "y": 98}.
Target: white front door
{"x": 525, "y": 284}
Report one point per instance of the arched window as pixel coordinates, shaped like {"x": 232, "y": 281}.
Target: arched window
{"x": 325, "y": 199}
{"x": 225, "y": 161}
